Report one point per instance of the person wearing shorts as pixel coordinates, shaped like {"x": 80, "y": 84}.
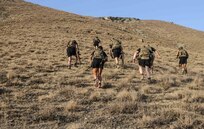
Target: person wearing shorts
{"x": 117, "y": 52}
{"x": 98, "y": 59}
{"x": 72, "y": 50}
{"x": 143, "y": 61}
{"x": 183, "y": 55}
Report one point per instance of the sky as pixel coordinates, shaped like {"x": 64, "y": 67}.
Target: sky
{"x": 188, "y": 13}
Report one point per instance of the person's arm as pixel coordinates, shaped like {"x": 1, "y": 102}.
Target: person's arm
{"x": 187, "y": 54}
{"x": 135, "y": 56}
{"x": 111, "y": 53}
{"x": 177, "y": 56}
{"x": 157, "y": 54}
{"x": 77, "y": 53}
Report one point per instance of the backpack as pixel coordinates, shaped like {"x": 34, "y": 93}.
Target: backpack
{"x": 144, "y": 53}
{"x": 116, "y": 45}
{"x": 151, "y": 52}
{"x": 183, "y": 53}
{"x": 98, "y": 53}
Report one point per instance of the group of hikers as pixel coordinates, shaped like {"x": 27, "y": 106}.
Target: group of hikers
{"x": 144, "y": 55}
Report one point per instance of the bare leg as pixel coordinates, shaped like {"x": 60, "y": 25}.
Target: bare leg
{"x": 117, "y": 61}
{"x": 141, "y": 70}
{"x": 99, "y": 76}
{"x": 76, "y": 61}
{"x": 184, "y": 69}
{"x": 95, "y": 74}
{"x": 147, "y": 69}
{"x": 122, "y": 59}
{"x": 69, "y": 62}
{"x": 78, "y": 58}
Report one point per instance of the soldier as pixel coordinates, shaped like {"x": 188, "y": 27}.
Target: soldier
{"x": 98, "y": 59}
{"x": 143, "y": 56}
{"x": 182, "y": 54}
{"x": 117, "y": 52}
{"x": 73, "y": 50}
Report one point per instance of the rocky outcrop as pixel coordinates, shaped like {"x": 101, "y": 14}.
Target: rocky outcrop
{"x": 119, "y": 19}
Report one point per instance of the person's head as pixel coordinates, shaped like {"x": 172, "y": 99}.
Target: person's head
{"x": 143, "y": 46}
{"x": 73, "y": 42}
{"x": 116, "y": 41}
{"x": 69, "y": 43}
{"x": 181, "y": 48}
{"x": 96, "y": 41}
{"x": 100, "y": 47}
{"x": 110, "y": 45}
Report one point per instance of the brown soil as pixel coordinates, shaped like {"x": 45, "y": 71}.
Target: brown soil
{"x": 37, "y": 90}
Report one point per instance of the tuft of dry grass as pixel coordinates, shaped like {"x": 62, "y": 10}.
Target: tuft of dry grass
{"x": 127, "y": 96}
{"x": 95, "y": 96}
{"x": 48, "y": 96}
{"x": 71, "y": 106}
{"x": 74, "y": 126}
{"x": 123, "y": 107}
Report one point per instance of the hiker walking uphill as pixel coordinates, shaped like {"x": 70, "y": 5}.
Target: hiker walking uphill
{"x": 96, "y": 42}
{"x": 116, "y": 52}
{"x": 73, "y": 50}
{"x": 98, "y": 59}
{"x": 182, "y": 54}
{"x": 143, "y": 56}
{"x": 153, "y": 53}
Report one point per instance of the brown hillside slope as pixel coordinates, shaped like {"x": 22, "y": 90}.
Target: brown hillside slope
{"x": 37, "y": 90}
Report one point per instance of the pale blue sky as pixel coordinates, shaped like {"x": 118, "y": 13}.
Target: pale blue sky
{"x": 189, "y": 13}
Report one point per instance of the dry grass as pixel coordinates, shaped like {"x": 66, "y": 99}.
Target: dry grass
{"x": 71, "y": 105}
{"x": 127, "y": 96}
{"x": 38, "y": 91}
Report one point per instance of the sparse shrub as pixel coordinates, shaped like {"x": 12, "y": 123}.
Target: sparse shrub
{"x": 141, "y": 97}
{"x": 126, "y": 96}
{"x": 174, "y": 96}
{"x": 71, "y": 106}
{"x": 125, "y": 108}
{"x": 169, "y": 82}
{"x": 198, "y": 81}
{"x": 95, "y": 96}
{"x": 3, "y": 77}
{"x": 74, "y": 126}
{"x": 194, "y": 97}
{"x": 48, "y": 96}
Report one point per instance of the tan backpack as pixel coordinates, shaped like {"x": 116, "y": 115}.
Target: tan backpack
{"x": 98, "y": 53}
{"x": 183, "y": 53}
{"x": 144, "y": 53}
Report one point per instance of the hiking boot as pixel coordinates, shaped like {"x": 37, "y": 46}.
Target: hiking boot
{"x": 75, "y": 64}
{"x": 185, "y": 71}
{"x": 99, "y": 84}
{"x": 149, "y": 80}
{"x": 69, "y": 66}
{"x": 96, "y": 82}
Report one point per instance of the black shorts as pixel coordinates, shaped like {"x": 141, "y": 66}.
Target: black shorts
{"x": 144, "y": 62}
{"x": 97, "y": 63}
{"x": 183, "y": 60}
{"x": 71, "y": 51}
{"x": 117, "y": 52}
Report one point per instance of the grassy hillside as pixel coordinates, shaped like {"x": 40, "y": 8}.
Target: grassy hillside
{"x": 37, "y": 90}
